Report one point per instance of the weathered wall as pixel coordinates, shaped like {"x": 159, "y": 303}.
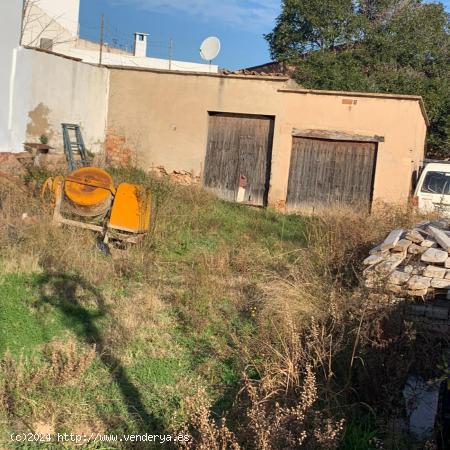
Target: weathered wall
{"x": 39, "y": 91}
{"x": 11, "y": 18}
{"x": 49, "y": 90}
{"x": 64, "y": 90}
{"x": 162, "y": 118}
{"x": 399, "y": 121}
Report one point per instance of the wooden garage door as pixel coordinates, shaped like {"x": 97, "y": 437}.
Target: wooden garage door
{"x": 325, "y": 172}
{"x": 237, "y": 166}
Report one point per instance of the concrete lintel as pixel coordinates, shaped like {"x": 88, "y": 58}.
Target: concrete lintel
{"x": 335, "y": 135}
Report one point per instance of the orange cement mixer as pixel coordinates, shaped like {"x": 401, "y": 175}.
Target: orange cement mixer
{"x": 87, "y": 198}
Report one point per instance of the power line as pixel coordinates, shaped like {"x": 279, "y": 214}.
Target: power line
{"x": 102, "y": 32}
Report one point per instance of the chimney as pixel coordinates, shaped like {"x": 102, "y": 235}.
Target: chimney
{"x": 140, "y": 44}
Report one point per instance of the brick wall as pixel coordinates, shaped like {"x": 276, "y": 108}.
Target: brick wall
{"x": 117, "y": 153}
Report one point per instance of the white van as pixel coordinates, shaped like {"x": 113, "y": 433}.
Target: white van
{"x": 432, "y": 192}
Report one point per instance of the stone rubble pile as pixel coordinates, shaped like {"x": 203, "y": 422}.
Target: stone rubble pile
{"x": 413, "y": 262}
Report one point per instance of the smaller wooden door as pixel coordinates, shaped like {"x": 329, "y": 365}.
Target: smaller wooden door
{"x": 326, "y": 172}
{"x": 238, "y": 157}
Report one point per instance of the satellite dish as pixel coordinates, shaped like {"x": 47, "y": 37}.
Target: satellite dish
{"x": 210, "y": 48}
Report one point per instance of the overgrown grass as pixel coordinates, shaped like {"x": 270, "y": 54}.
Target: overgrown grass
{"x": 223, "y": 310}
{"x": 21, "y": 329}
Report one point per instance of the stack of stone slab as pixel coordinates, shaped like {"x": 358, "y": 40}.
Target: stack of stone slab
{"x": 412, "y": 262}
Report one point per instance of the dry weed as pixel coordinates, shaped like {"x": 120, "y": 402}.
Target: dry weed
{"x": 319, "y": 332}
{"x": 134, "y": 315}
{"x": 275, "y": 426}
{"x": 66, "y": 361}
{"x": 319, "y": 341}
{"x": 16, "y": 381}
{"x": 205, "y": 433}
{"x": 266, "y": 424}
{"x": 338, "y": 238}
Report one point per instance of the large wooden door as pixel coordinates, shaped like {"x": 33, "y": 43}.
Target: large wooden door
{"x": 326, "y": 172}
{"x": 238, "y": 157}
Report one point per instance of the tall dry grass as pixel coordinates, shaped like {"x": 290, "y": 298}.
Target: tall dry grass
{"x": 64, "y": 362}
{"x": 315, "y": 344}
{"x": 325, "y": 346}
{"x": 30, "y": 242}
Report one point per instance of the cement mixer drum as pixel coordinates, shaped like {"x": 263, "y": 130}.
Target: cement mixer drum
{"x": 89, "y": 191}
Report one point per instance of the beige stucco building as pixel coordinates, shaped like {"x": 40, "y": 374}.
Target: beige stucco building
{"x": 347, "y": 146}
{"x": 254, "y": 139}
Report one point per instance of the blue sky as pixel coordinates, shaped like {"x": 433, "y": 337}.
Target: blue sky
{"x": 240, "y": 24}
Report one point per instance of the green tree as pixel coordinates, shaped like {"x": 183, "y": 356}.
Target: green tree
{"x": 398, "y": 46}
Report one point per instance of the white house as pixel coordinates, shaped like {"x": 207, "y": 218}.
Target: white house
{"x": 50, "y": 24}
{"x": 53, "y": 25}
{"x": 43, "y": 83}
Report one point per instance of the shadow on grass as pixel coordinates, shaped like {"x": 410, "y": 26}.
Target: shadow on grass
{"x": 62, "y": 291}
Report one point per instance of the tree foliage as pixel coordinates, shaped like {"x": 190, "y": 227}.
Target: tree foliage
{"x": 398, "y": 46}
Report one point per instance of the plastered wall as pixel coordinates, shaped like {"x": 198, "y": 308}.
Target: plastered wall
{"x": 11, "y": 18}
{"x": 163, "y": 118}
{"x": 49, "y": 90}
{"x": 39, "y": 91}
{"x": 399, "y": 121}
{"x": 64, "y": 90}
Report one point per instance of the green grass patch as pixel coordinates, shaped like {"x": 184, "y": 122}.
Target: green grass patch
{"x": 222, "y": 223}
{"x": 23, "y": 326}
{"x": 145, "y": 386}
{"x": 360, "y": 433}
